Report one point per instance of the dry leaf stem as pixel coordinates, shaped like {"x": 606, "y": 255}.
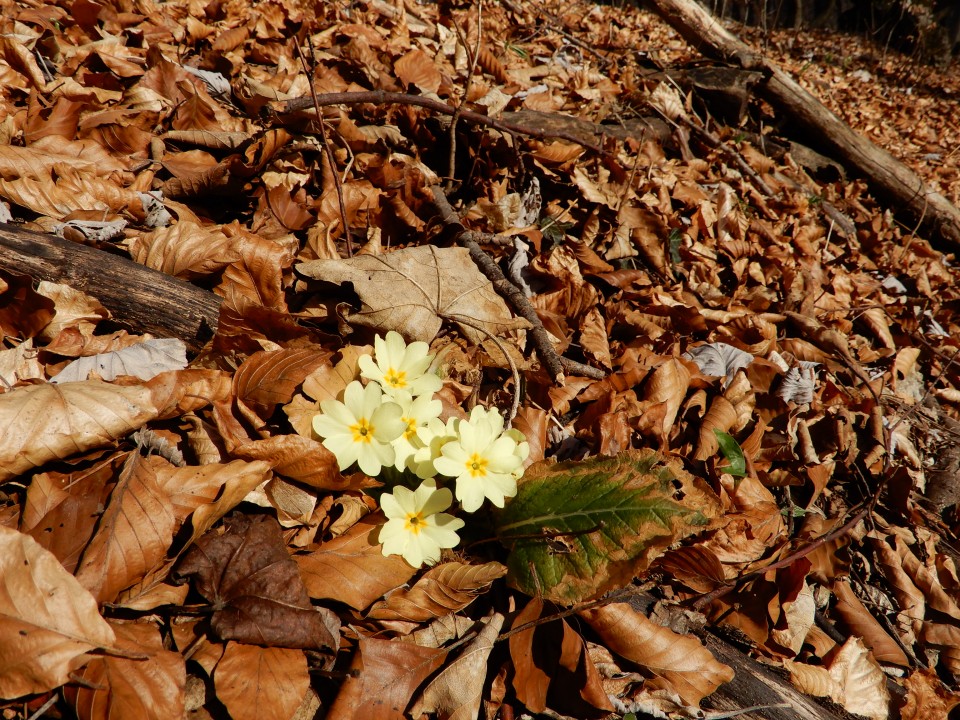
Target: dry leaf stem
{"x": 556, "y": 365}
{"x": 381, "y": 97}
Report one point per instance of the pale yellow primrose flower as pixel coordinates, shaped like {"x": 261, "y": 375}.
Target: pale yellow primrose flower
{"x": 482, "y": 461}
{"x": 400, "y": 367}
{"x": 418, "y": 412}
{"x": 415, "y": 528}
{"x": 361, "y": 428}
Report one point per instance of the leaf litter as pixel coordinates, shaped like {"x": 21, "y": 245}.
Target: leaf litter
{"x": 780, "y": 339}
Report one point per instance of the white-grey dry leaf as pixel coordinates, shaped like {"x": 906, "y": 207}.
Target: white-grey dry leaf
{"x": 157, "y": 215}
{"x": 144, "y": 360}
{"x": 517, "y": 264}
{"x": 530, "y": 203}
{"x": 216, "y": 83}
{"x": 495, "y": 101}
{"x": 94, "y": 231}
{"x": 5, "y": 215}
{"x": 719, "y": 359}
{"x": 799, "y": 383}
{"x": 893, "y": 285}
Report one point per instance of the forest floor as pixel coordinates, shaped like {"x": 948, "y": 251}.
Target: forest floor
{"x": 536, "y": 367}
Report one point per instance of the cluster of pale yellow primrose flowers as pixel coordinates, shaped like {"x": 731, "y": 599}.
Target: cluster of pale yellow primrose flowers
{"x": 394, "y": 421}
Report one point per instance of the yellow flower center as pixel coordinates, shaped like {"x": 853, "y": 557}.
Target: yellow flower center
{"x": 414, "y": 523}
{"x": 395, "y": 378}
{"x": 362, "y": 431}
{"x": 411, "y": 428}
{"x": 477, "y": 465}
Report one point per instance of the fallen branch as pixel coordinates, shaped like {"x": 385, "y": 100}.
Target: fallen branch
{"x": 142, "y": 299}
{"x": 888, "y": 175}
{"x": 381, "y": 97}
{"x": 555, "y": 365}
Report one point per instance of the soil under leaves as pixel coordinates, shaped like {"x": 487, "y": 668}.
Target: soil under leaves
{"x": 173, "y": 535}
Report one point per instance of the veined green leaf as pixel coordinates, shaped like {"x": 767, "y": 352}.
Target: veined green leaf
{"x": 732, "y": 453}
{"x": 578, "y": 529}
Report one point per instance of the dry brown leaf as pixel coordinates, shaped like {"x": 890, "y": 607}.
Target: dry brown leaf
{"x": 852, "y": 679}
{"x": 413, "y": 290}
{"x": 150, "y": 684}
{"x": 681, "y": 660}
{"x": 300, "y": 459}
{"x": 383, "y": 677}
{"x": 269, "y": 378}
{"x": 50, "y": 422}
{"x": 133, "y": 534}
{"x": 416, "y": 68}
{"x": 352, "y": 569}
{"x": 261, "y": 683}
{"x": 863, "y": 625}
{"x": 446, "y": 588}
{"x": 456, "y": 693}
{"x": 927, "y": 698}
{"x": 47, "y": 619}
{"x": 185, "y": 250}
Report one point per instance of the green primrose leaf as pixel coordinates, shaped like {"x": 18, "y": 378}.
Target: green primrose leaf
{"x": 732, "y": 453}
{"x": 578, "y": 529}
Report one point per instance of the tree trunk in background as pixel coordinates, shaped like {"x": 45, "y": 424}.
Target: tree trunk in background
{"x": 888, "y": 176}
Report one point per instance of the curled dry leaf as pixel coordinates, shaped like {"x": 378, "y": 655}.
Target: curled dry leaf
{"x": 267, "y": 379}
{"x": 411, "y": 291}
{"x": 261, "y": 683}
{"x": 852, "y": 678}
{"x": 185, "y": 250}
{"x": 455, "y": 693}
{"x": 446, "y": 588}
{"x": 48, "y": 621}
{"x": 150, "y": 684}
{"x": 144, "y": 360}
{"x": 681, "y": 660}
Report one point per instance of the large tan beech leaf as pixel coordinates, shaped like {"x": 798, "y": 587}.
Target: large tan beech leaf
{"x": 413, "y": 290}
{"x": 681, "y": 660}
{"x": 261, "y": 683}
{"x": 48, "y": 621}
{"x": 40, "y": 423}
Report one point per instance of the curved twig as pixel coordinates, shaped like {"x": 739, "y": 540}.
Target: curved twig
{"x": 381, "y": 97}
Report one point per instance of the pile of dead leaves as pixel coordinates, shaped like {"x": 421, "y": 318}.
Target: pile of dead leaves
{"x": 173, "y": 535}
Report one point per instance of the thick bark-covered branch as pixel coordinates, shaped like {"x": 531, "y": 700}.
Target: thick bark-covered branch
{"x": 142, "y": 299}
{"x": 889, "y": 177}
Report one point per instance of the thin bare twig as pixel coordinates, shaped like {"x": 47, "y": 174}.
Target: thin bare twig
{"x": 471, "y": 68}
{"x": 328, "y": 150}
{"x": 381, "y": 97}
{"x": 555, "y": 365}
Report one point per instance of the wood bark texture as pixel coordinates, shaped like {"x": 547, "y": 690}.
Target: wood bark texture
{"x": 889, "y": 177}
{"x": 139, "y": 298}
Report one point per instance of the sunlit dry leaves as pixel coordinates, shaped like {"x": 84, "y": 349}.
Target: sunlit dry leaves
{"x": 62, "y": 509}
{"x": 267, "y": 379}
{"x": 448, "y": 587}
{"x": 48, "y": 620}
{"x": 689, "y": 668}
{"x": 49, "y": 422}
{"x": 412, "y": 291}
{"x": 148, "y": 684}
{"x": 133, "y": 533}
{"x": 255, "y": 588}
{"x": 383, "y": 678}
{"x": 416, "y": 68}
{"x": 456, "y": 692}
{"x": 185, "y": 250}
{"x": 352, "y": 568}
{"x": 927, "y": 698}
{"x": 144, "y": 360}
{"x": 300, "y": 459}
{"x": 73, "y": 308}
{"x": 552, "y": 667}
{"x": 852, "y": 678}
{"x": 864, "y": 626}
{"x": 261, "y": 683}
